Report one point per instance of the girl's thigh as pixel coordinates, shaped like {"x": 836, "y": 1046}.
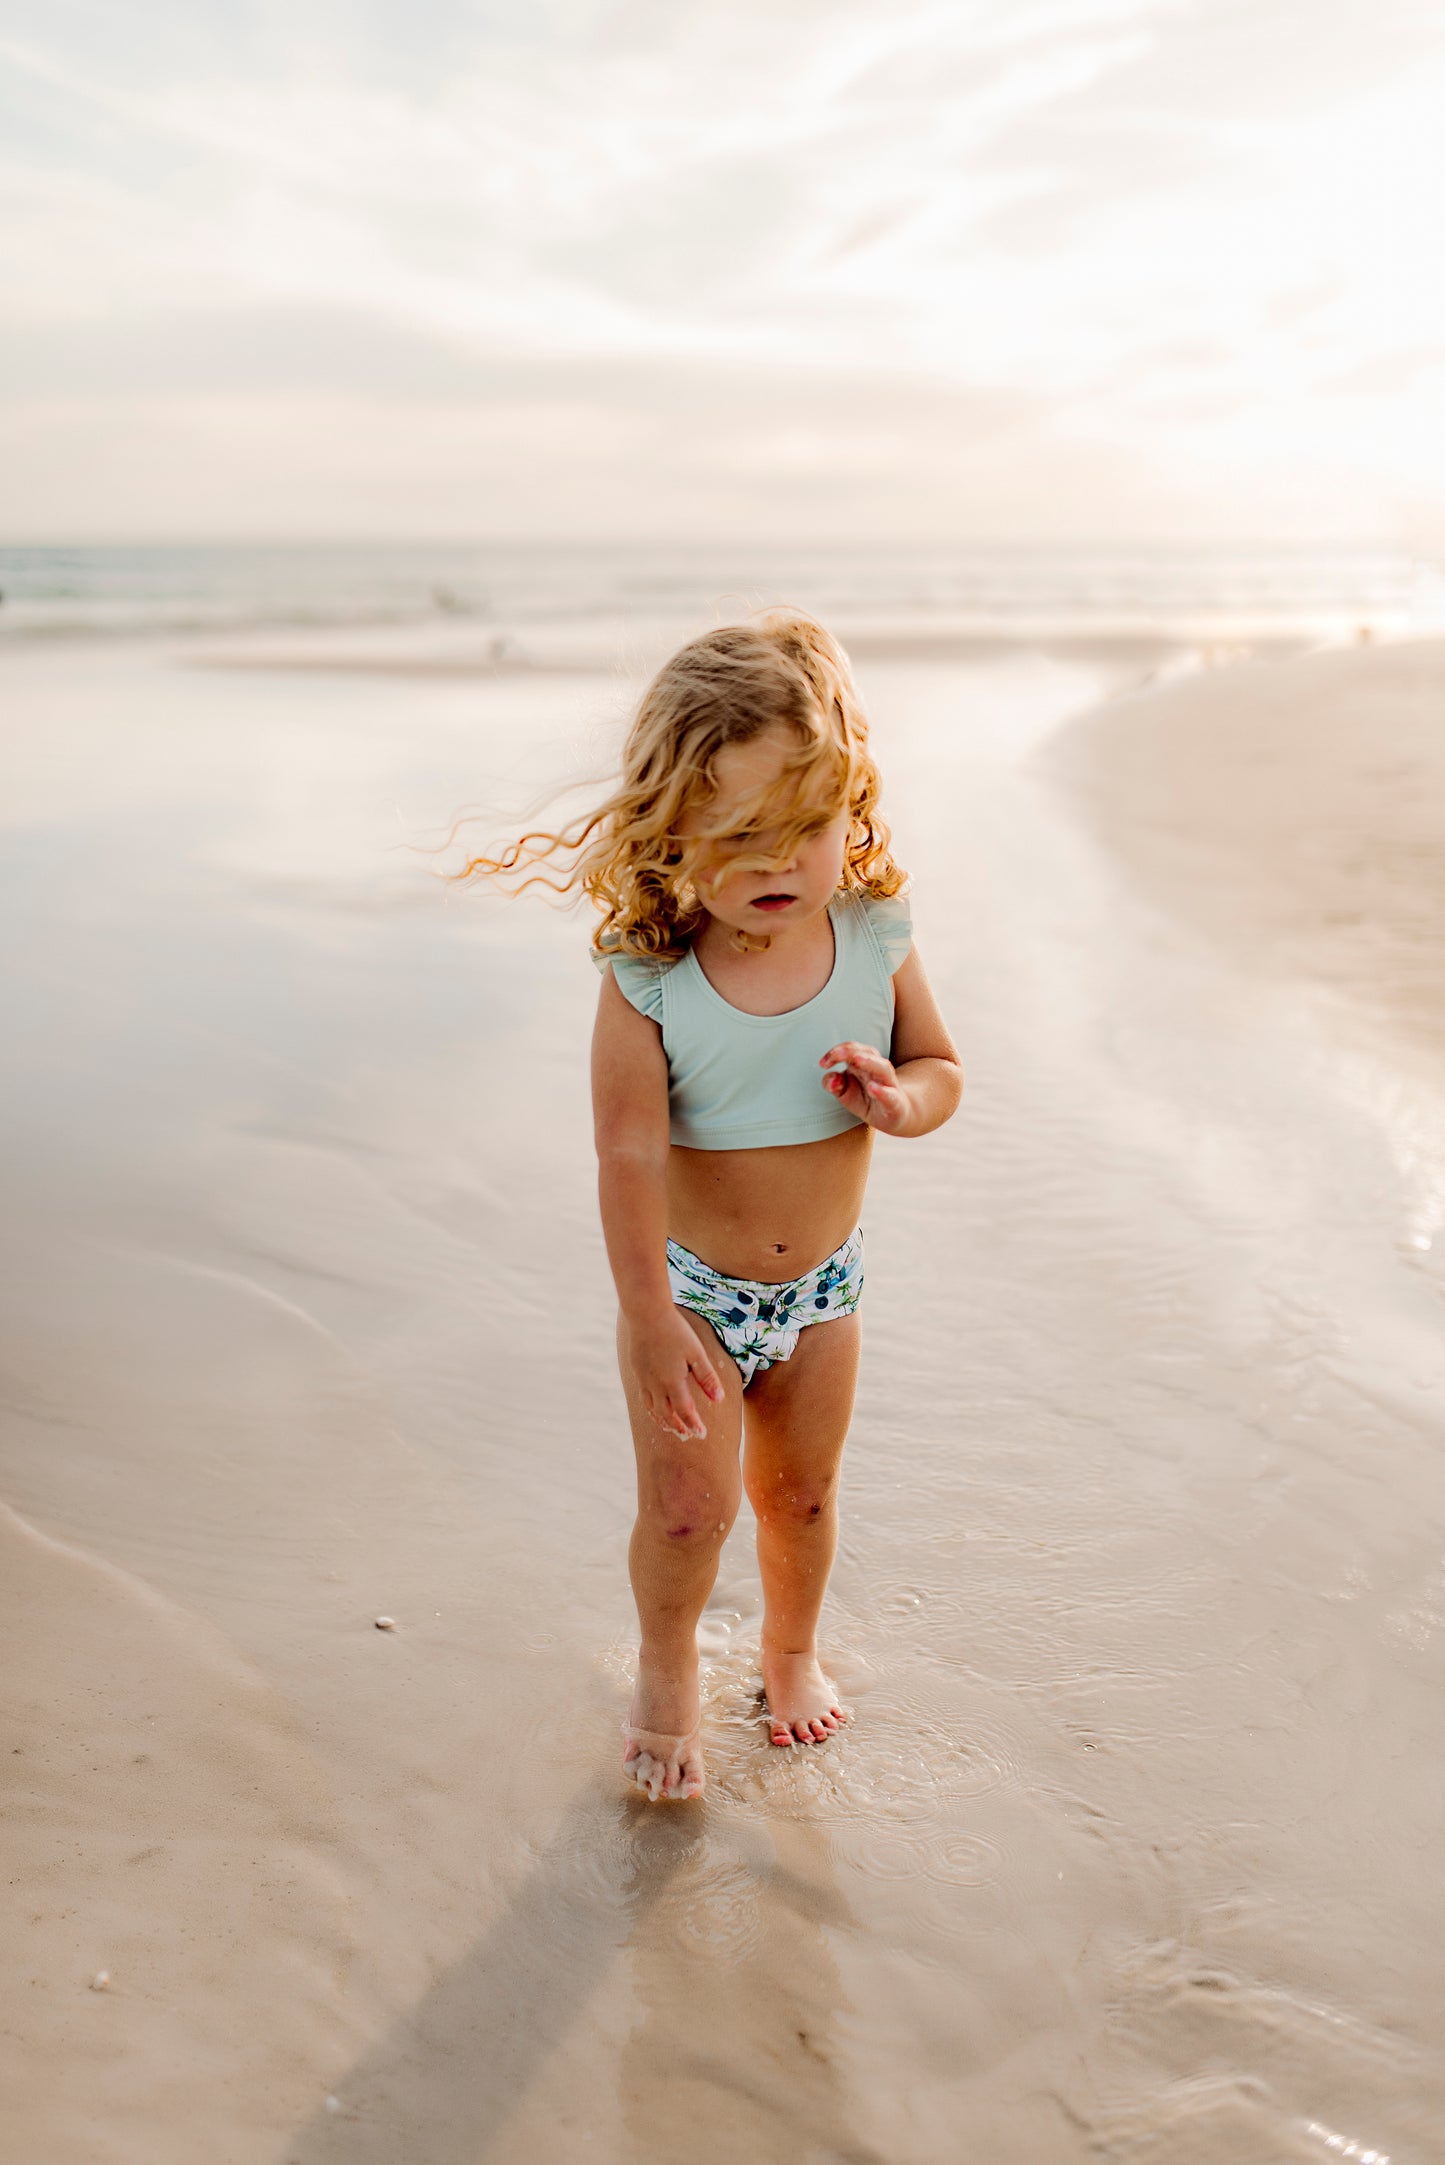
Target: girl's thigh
{"x": 797, "y": 1412}
{"x": 668, "y": 1466}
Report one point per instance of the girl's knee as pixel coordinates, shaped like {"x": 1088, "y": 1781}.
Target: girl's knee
{"x": 792, "y": 1503}
{"x": 690, "y": 1513}
{"x": 702, "y": 1528}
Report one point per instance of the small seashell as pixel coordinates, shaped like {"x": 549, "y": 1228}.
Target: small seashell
{"x": 386, "y": 1623}
{"x": 100, "y": 1980}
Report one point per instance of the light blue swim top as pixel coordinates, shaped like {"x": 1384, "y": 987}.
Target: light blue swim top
{"x": 748, "y": 1082}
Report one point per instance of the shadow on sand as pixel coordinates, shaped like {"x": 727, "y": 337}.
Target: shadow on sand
{"x": 681, "y": 1968}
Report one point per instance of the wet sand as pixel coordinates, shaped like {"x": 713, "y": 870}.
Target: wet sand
{"x": 1141, "y": 1600}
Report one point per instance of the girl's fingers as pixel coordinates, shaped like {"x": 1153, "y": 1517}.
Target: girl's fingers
{"x": 685, "y": 1416}
{"x": 866, "y": 1063}
{"x": 707, "y": 1377}
{"x": 674, "y": 1412}
{"x": 848, "y": 1052}
{"x": 875, "y": 1097}
{"x": 869, "y": 1086}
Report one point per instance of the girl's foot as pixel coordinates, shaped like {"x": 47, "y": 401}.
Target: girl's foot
{"x": 668, "y": 1768}
{"x": 803, "y": 1706}
{"x": 665, "y": 1763}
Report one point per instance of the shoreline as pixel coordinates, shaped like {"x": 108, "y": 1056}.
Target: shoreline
{"x": 616, "y": 648}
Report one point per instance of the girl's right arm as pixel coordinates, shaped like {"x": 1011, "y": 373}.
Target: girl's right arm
{"x": 629, "y": 1105}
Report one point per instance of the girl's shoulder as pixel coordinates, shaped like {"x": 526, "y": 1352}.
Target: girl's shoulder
{"x": 639, "y": 978}
{"x": 889, "y": 919}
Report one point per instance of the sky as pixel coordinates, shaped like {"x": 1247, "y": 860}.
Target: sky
{"x": 1053, "y": 271}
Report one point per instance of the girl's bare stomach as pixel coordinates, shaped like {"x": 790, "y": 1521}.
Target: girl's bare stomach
{"x": 768, "y": 1214}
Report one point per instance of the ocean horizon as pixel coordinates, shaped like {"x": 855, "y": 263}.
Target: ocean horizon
{"x": 1010, "y": 590}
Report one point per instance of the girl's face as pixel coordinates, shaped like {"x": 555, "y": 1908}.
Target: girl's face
{"x": 789, "y": 889}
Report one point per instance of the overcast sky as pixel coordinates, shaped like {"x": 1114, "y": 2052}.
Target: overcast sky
{"x": 1053, "y": 269}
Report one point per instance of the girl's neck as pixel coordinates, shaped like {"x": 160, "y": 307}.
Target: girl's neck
{"x": 792, "y": 936}
{"x": 795, "y": 966}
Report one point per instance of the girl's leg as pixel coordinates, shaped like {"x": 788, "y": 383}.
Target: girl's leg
{"x": 688, "y": 1490}
{"x": 797, "y": 1416}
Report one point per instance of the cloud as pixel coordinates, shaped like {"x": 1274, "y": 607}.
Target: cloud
{"x": 699, "y": 450}
{"x": 1127, "y": 230}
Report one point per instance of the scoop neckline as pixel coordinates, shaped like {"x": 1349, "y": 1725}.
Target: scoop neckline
{"x": 787, "y": 1013}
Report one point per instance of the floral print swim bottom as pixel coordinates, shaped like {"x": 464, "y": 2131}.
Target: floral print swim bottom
{"x": 760, "y": 1323}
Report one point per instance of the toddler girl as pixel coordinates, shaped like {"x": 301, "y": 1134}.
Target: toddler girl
{"x": 762, "y": 1012}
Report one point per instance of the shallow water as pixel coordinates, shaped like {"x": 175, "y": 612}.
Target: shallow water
{"x": 1141, "y": 1595}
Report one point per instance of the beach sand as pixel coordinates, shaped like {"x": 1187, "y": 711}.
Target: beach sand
{"x": 1132, "y": 1850}
{"x": 1326, "y": 863}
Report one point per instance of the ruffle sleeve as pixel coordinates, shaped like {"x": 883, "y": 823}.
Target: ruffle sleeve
{"x": 891, "y": 920}
{"x": 639, "y": 980}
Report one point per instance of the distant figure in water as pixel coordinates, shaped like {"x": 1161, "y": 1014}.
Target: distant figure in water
{"x": 762, "y": 1012}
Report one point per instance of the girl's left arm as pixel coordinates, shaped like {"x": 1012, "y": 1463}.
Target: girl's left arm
{"x": 919, "y": 1088}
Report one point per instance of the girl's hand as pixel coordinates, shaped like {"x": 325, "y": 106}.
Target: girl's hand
{"x": 667, "y": 1359}
{"x": 868, "y": 1087}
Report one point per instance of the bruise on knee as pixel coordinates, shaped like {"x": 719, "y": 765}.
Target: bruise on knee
{"x": 692, "y": 1518}
{"x": 700, "y": 1532}
{"x": 797, "y": 1506}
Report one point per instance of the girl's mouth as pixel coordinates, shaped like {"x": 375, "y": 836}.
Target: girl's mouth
{"x": 773, "y": 902}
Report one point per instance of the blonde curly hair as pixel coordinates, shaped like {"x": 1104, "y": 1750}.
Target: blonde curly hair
{"x": 725, "y": 687}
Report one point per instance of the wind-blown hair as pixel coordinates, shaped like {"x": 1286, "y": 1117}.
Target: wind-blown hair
{"x": 725, "y": 687}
